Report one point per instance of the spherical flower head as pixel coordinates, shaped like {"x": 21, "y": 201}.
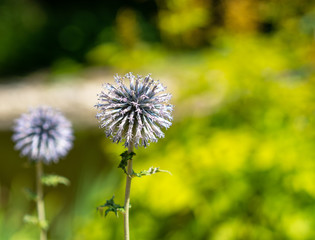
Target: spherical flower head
{"x": 43, "y": 134}
{"x": 134, "y": 111}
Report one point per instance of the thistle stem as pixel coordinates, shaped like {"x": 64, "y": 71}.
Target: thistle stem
{"x": 127, "y": 194}
{"x": 40, "y": 200}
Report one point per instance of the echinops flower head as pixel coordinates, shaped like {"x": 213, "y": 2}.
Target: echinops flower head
{"x": 134, "y": 110}
{"x": 43, "y": 134}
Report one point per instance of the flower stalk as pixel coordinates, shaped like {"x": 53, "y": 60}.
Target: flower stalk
{"x": 40, "y": 201}
{"x": 127, "y": 193}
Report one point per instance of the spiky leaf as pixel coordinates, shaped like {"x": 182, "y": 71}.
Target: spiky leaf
{"x": 110, "y": 206}
{"x": 125, "y": 156}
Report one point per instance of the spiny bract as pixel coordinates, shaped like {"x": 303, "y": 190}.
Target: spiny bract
{"x": 134, "y": 113}
{"x": 43, "y": 134}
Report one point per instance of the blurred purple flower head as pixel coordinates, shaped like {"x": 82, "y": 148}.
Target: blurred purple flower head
{"x": 134, "y": 112}
{"x": 43, "y": 134}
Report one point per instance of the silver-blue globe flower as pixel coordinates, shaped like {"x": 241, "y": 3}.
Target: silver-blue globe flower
{"x": 134, "y": 112}
{"x": 43, "y": 134}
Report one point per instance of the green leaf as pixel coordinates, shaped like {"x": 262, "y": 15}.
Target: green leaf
{"x": 34, "y": 220}
{"x": 125, "y": 156}
{"x": 111, "y": 207}
{"x": 149, "y": 172}
{"x": 31, "y": 219}
{"x": 30, "y": 194}
{"x": 44, "y": 224}
{"x": 54, "y": 180}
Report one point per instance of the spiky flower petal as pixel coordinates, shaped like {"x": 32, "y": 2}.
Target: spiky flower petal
{"x": 134, "y": 112}
{"x": 43, "y": 134}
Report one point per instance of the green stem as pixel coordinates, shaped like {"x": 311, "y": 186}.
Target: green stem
{"x": 127, "y": 194}
{"x": 40, "y": 200}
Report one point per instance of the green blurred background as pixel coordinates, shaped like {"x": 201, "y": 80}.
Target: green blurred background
{"x": 242, "y": 145}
